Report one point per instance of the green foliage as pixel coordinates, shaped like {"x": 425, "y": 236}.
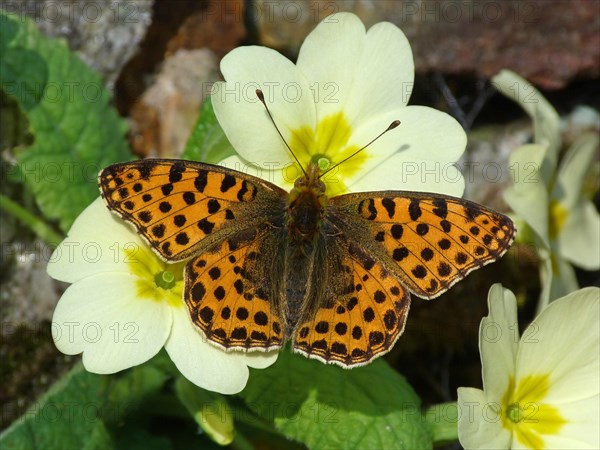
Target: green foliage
{"x": 207, "y": 142}
{"x": 79, "y": 411}
{"x": 209, "y": 410}
{"x": 325, "y": 406}
{"x": 76, "y": 131}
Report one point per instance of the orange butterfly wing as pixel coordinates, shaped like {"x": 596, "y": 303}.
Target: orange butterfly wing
{"x": 430, "y": 241}
{"x": 177, "y": 204}
{"x": 229, "y": 293}
{"x": 392, "y": 243}
{"x": 221, "y": 219}
{"x": 363, "y": 316}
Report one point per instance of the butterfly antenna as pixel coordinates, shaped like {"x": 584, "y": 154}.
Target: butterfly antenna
{"x": 393, "y": 125}
{"x": 261, "y": 97}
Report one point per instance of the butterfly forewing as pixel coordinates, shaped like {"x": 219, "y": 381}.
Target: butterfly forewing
{"x": 435, "y": 240}
{"x": 176, "y": 204}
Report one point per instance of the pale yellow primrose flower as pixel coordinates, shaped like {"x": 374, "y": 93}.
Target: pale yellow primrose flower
{"x": 125, "y": 304}
{"x": 347, "y": 86}
{"x": 548, "y": 196}
{"x": 541, "y": 390}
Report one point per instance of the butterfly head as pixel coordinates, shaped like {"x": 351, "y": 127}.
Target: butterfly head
{"x": 306, "y": 205}
{"x": 310, "y": 180}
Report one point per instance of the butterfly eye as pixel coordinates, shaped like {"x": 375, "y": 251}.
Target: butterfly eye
{"x": 321, "y": 188}
{"x": 300, "y": 182}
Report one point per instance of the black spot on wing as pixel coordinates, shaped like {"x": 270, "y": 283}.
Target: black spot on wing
{"x": 372, "y": 209}
{"x": 201, "y": 180}
{"x": 472, "y": 212}
{"x": 390, "y": 206}
{"x": 176, "y": 171}
{"x": 441, "y": 208}
{"x": 146, "y": 168}
{"x": 414, "y": 210}
{"x": 227, "y": 183}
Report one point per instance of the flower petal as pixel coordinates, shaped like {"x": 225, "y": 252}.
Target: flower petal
{"x": 86, "y": 251}
{"x": 546, "y": 122}
{"x": 573, "y": 169}
{"x": 418, "y": 155}
{"x": 557, "y": 277}
{"x": 568, "y": 332}
{"x": 283, "y": 176}
{"x": 417, "y": 175}
{"x": 498, "y": 340}
{"x": 384, "y": 77}
{"x": 341, "y": 60}
{"x": 564, "y": 342}
{"x": 104, "y": 317}
{"x": 243, "y": 117}
{"x": 528, "y": 196}
{"x": 261, "y": 360}
{"x": 479, "y": 423}
{"x": 329, "y": 57}
{"x": 203, "y": 363}
{"x": 579, "y": 241}
{"x": 581, "y": 429}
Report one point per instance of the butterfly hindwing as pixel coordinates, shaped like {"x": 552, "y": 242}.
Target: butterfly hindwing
{"x": 229, "y": 292}
{"x": 363, "y": 316}
{"x": 434, "y": 240}
{"x": 175, "y": 204}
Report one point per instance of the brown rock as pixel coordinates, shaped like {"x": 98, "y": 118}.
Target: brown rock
{"x": 104, "y": 33}
{"x": 218, "y": 26}
{"x": 163, "y": 117}
{"x": 549, "y": 42}
{"x": 162, "y": 120}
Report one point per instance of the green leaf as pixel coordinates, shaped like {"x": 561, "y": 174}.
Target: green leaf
{"x": 443, "y": 420}
{"x": 67, "y": 416}
{"x": 325, "y": 406}
{"x": 135, "y": 385}
{"x": 207, "y": 142}
{"x": 76, "y": 131}
{"x": 138, "y": 438}
{"x": 80, "y": 409}
{"x": 209, "y": 410}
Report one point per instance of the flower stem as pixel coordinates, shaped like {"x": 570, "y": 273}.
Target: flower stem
{"x": 241, "y": 443}
{"x": 248, "y": 417}
{"x": 443, "y": 420}
{"x": 37, "y": 225}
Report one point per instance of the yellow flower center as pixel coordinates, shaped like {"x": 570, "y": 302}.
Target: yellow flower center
{"x": 326, "y": 146}
{"x": 524, "y": 413}
{"x": 156, "y": 279}
{"x": 558, "y": 217}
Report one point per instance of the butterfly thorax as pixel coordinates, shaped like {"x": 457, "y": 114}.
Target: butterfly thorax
{"x": 307, "y": 203}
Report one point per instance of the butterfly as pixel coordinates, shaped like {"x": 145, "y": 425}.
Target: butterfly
{"x": 332, "y": 275}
